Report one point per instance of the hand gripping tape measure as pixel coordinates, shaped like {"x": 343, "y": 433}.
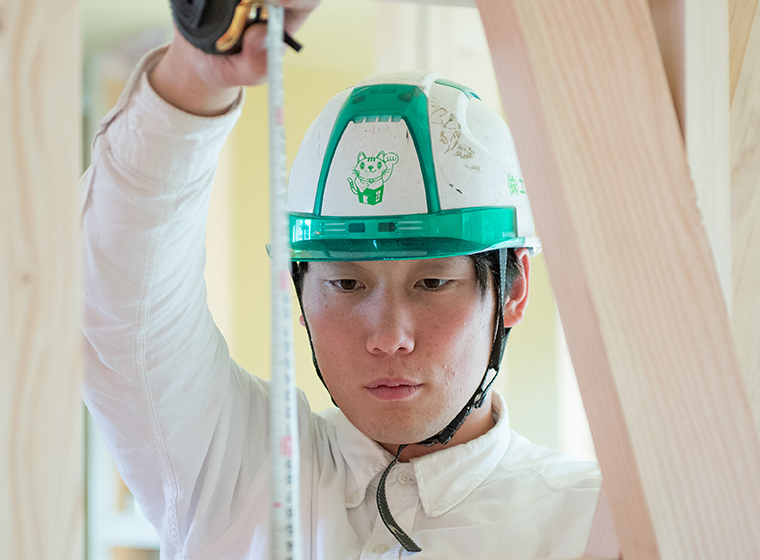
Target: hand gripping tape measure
{"x": 217, "y": 26}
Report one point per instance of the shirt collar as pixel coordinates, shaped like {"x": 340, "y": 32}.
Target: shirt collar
{"x": 444, "y": 478}
{"x": 364, "y": 458}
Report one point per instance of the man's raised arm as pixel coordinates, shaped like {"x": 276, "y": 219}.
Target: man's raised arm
{"x": 160, "y": 383}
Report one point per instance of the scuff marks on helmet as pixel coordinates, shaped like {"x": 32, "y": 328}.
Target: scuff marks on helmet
{"x": 451, "y": 133}
{"x": 456, "y": 189}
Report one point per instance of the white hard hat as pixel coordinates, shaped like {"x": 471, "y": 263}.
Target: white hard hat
{"x": 407, "y": 165}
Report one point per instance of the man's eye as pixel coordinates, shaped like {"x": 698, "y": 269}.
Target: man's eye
{"x": 347, "y": 284}
{"x": 433, "y": 283}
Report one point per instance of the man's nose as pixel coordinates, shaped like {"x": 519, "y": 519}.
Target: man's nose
{"x": 390, "y": 325}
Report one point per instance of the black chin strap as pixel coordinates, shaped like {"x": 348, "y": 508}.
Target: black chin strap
{"x": 500, "y": 337}
{"x": 311, "y": 342}
{"x": 501, "y": 334}
{"x": 385, "y": 512}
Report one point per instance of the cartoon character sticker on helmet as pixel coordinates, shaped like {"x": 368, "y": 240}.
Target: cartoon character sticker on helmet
{"x": 370, "y": 175}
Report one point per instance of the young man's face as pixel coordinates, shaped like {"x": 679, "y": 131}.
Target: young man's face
{"x": 402, "y": 345}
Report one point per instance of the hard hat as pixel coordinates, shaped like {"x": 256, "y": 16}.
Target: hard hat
{"x": 404, "y": 166}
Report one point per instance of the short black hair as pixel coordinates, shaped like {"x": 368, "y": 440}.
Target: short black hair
{"x": 489, "y": 261}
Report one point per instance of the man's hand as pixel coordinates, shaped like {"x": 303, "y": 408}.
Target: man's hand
{"x": 205, "y": 84}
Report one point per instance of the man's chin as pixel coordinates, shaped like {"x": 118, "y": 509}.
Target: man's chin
{"x": 405, "y": 435}
{"x": 394, "y": 424}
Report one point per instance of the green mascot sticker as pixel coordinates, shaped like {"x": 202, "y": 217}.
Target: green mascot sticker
{"x": 370, "y": 175}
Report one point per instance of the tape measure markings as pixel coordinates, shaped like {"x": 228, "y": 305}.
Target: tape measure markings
{"x": 284, "y": 530}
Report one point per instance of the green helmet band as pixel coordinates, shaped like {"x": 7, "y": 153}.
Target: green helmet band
{"x": 443, "y": 234}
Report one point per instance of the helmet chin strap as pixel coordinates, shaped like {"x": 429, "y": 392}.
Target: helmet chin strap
{"x": 311, "y": 344}
{"x": 501, "y": 334}
{"x": 500, "y": 337}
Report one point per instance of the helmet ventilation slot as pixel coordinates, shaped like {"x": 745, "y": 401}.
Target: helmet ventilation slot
{"x": 334, "y": 227}
{"x": 376, "y": 118}
{"x": 410, "y": 225}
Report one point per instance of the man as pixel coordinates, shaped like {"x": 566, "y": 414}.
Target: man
{"x": 410, "y": 268}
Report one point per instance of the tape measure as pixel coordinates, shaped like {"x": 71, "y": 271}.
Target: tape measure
{"x": 217, "y": 27}
{"x": 284, "y": 524}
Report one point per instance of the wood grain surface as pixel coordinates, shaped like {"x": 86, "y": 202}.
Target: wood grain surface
{"x": 694, "y": 44}
{"x": 745, "y": 184}
{"x": 41, "y": 467}
{"x": 741, "y": 15}
{"x": 586, "y": 95}
{"x": 603, "y": 541}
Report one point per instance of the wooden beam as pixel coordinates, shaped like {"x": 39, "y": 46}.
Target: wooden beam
{"x": 741, "y": 16}
{"x": 603, "y": 541}
{"x": 41, "y": 472}
{"x": 587, "y": 98}
{"x": 669, "y": 19}
{"x": 745, "y": 183}
{"x": 694, "y": 43}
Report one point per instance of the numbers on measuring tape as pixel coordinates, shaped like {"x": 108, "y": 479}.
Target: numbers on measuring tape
{"x": 284, "y": 511}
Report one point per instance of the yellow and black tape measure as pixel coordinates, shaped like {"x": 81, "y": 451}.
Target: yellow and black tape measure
{"x": 217, "y": 26}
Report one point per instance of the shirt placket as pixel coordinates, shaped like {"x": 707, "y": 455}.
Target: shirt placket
{"x": 404, "y": 501}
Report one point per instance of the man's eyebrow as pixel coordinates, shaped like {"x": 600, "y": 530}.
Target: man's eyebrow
{"x": 339, "y": 267}
{"x": 444, "y": 268}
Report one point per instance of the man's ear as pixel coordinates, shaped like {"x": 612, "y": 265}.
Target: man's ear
{"x": 517, "y": 299}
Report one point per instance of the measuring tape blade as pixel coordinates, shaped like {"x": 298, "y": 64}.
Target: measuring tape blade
{"x": 284, "y": 522}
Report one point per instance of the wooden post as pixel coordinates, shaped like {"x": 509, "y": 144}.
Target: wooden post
{"x": 587, "y": 99}
{"x": 745, "y": 183}
{"x": 694, "y": 43}
{"x": 603, "y": 541}
{"x": 41, "y": 474}
{"x": 741, "y": 15}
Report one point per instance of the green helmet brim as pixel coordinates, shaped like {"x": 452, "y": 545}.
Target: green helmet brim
{"x": 416, "y": 236}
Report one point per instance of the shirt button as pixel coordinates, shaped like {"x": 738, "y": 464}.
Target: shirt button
{"x": 404, "y": 478}
{"x": 353, "y": 496}
{"x": 382, "y": 549}
{"x": 132, "y": 121}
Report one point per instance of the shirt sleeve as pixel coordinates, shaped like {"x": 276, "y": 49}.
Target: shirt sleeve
{"x": 186, "y": 425}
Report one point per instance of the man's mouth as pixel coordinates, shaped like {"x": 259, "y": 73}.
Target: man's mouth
{"x": 393, "y": 388}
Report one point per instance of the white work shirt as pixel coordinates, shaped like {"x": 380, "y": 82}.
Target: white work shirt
{"x": 188, "y": 427}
